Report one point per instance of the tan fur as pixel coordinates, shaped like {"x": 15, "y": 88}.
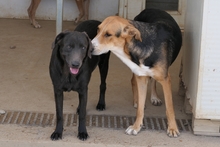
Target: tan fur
{"x": 118, "y": 24}
{"x": 83, "y": 6}
{"x": 129, "y": 32}
{"x": 32, "y": 11}
{"x": 126, "y": 51}
{"x": 108, "y": 37}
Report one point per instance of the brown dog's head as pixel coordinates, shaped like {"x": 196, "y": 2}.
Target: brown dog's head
{"x": 73, "y": 47}
{"x": 113, "y": 34}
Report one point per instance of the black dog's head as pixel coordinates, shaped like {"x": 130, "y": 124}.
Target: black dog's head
{"x": 74, "y": 48}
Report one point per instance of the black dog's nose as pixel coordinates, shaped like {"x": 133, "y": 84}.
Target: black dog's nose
{"x": 75, "y": 64}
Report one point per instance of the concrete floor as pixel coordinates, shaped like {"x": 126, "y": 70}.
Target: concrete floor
{"x": 25, "y": 85}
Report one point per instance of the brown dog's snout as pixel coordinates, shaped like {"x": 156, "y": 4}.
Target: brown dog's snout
{"x": 93, "y": 47}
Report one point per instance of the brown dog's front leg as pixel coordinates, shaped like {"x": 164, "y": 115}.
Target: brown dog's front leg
{"x": 141, "y": 82}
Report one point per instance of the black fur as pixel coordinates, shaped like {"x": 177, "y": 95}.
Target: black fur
{"x": 158, "y": 29}
{"x": 71, "y": 66}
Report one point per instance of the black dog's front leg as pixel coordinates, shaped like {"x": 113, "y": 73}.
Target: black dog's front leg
{"x": 57, "y": 134}
{"x": 82, "y": 132}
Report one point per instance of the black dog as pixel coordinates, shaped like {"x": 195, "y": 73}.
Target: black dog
{"x": 71, "y": 66}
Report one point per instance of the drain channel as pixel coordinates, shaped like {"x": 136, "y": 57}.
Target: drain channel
{"x": 104, "y": 121}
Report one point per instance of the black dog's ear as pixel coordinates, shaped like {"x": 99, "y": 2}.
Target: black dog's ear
{"x": 90, "y": 46}
{"x": 58, "y": 38}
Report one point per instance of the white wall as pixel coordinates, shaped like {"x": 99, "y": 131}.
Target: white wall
{"x": 192, "y": 48}
{"x": 99, "y": 9}
{"x": 201, "y": 62}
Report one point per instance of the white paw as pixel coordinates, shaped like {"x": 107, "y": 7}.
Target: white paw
{"x": 132, "y": 131}
{"x": 156, "y": 101}
{"x": 173, "y": 132}
{"x": 2, "y": 112}
{"x": 36, "y": 25}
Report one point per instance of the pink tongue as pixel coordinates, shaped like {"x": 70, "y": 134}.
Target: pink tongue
{"x": 74, "y": 70}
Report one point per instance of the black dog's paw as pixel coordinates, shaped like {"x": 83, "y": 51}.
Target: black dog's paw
{"x": 56, "y": 136}
{"x": 83, "y": 136}
{"x": 100, "y": 107}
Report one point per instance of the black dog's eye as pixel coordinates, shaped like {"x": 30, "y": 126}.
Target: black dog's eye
{"x": 69, "y": 47}
{"x": 107, "y": 34}
{"x": 83, "y": 47}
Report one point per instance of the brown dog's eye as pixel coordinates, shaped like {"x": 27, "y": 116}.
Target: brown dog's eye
{"x": 107, "y": 34}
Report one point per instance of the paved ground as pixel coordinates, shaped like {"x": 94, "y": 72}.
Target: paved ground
{"x": 25, "y": 86}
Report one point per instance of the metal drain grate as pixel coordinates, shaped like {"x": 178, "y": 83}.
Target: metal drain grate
{"x": 104, "y": 121}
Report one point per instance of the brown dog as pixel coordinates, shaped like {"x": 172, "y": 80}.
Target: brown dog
{"x": 148, "y": 46}
{"x": 32, "y": 11}
{"x": 83, "y": 6}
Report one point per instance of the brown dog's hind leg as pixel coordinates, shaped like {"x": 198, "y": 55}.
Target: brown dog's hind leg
{"x": 172, "y": 130}
{"x": 154, "y": 97}
{"x": 29, "y": 11}
{"x": 86, "y": 6}
{"x": 32, "y": 11}
{"x": 141, "y": 82}
{"x": 134, "y": 90}
{"x": 80, "y": 6}
{"x": 83, "y": 7}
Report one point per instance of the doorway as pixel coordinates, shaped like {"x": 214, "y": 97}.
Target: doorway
{"x": 176, "y": 8}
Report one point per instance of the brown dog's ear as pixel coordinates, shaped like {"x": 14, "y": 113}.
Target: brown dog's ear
{"x": 90, "y": 46}
{"x": 130, "y": 31}
{"x": 58, "y": 38}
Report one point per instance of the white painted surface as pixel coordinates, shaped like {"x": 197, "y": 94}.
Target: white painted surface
{"x": 209, "y": 94}
{"x": 99, "y": 9}
{"x": 130, "y": 8}
{"x": 179, "y": 15}
{"x": 201, "y": 62}
{"x": 191, "y": 49}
